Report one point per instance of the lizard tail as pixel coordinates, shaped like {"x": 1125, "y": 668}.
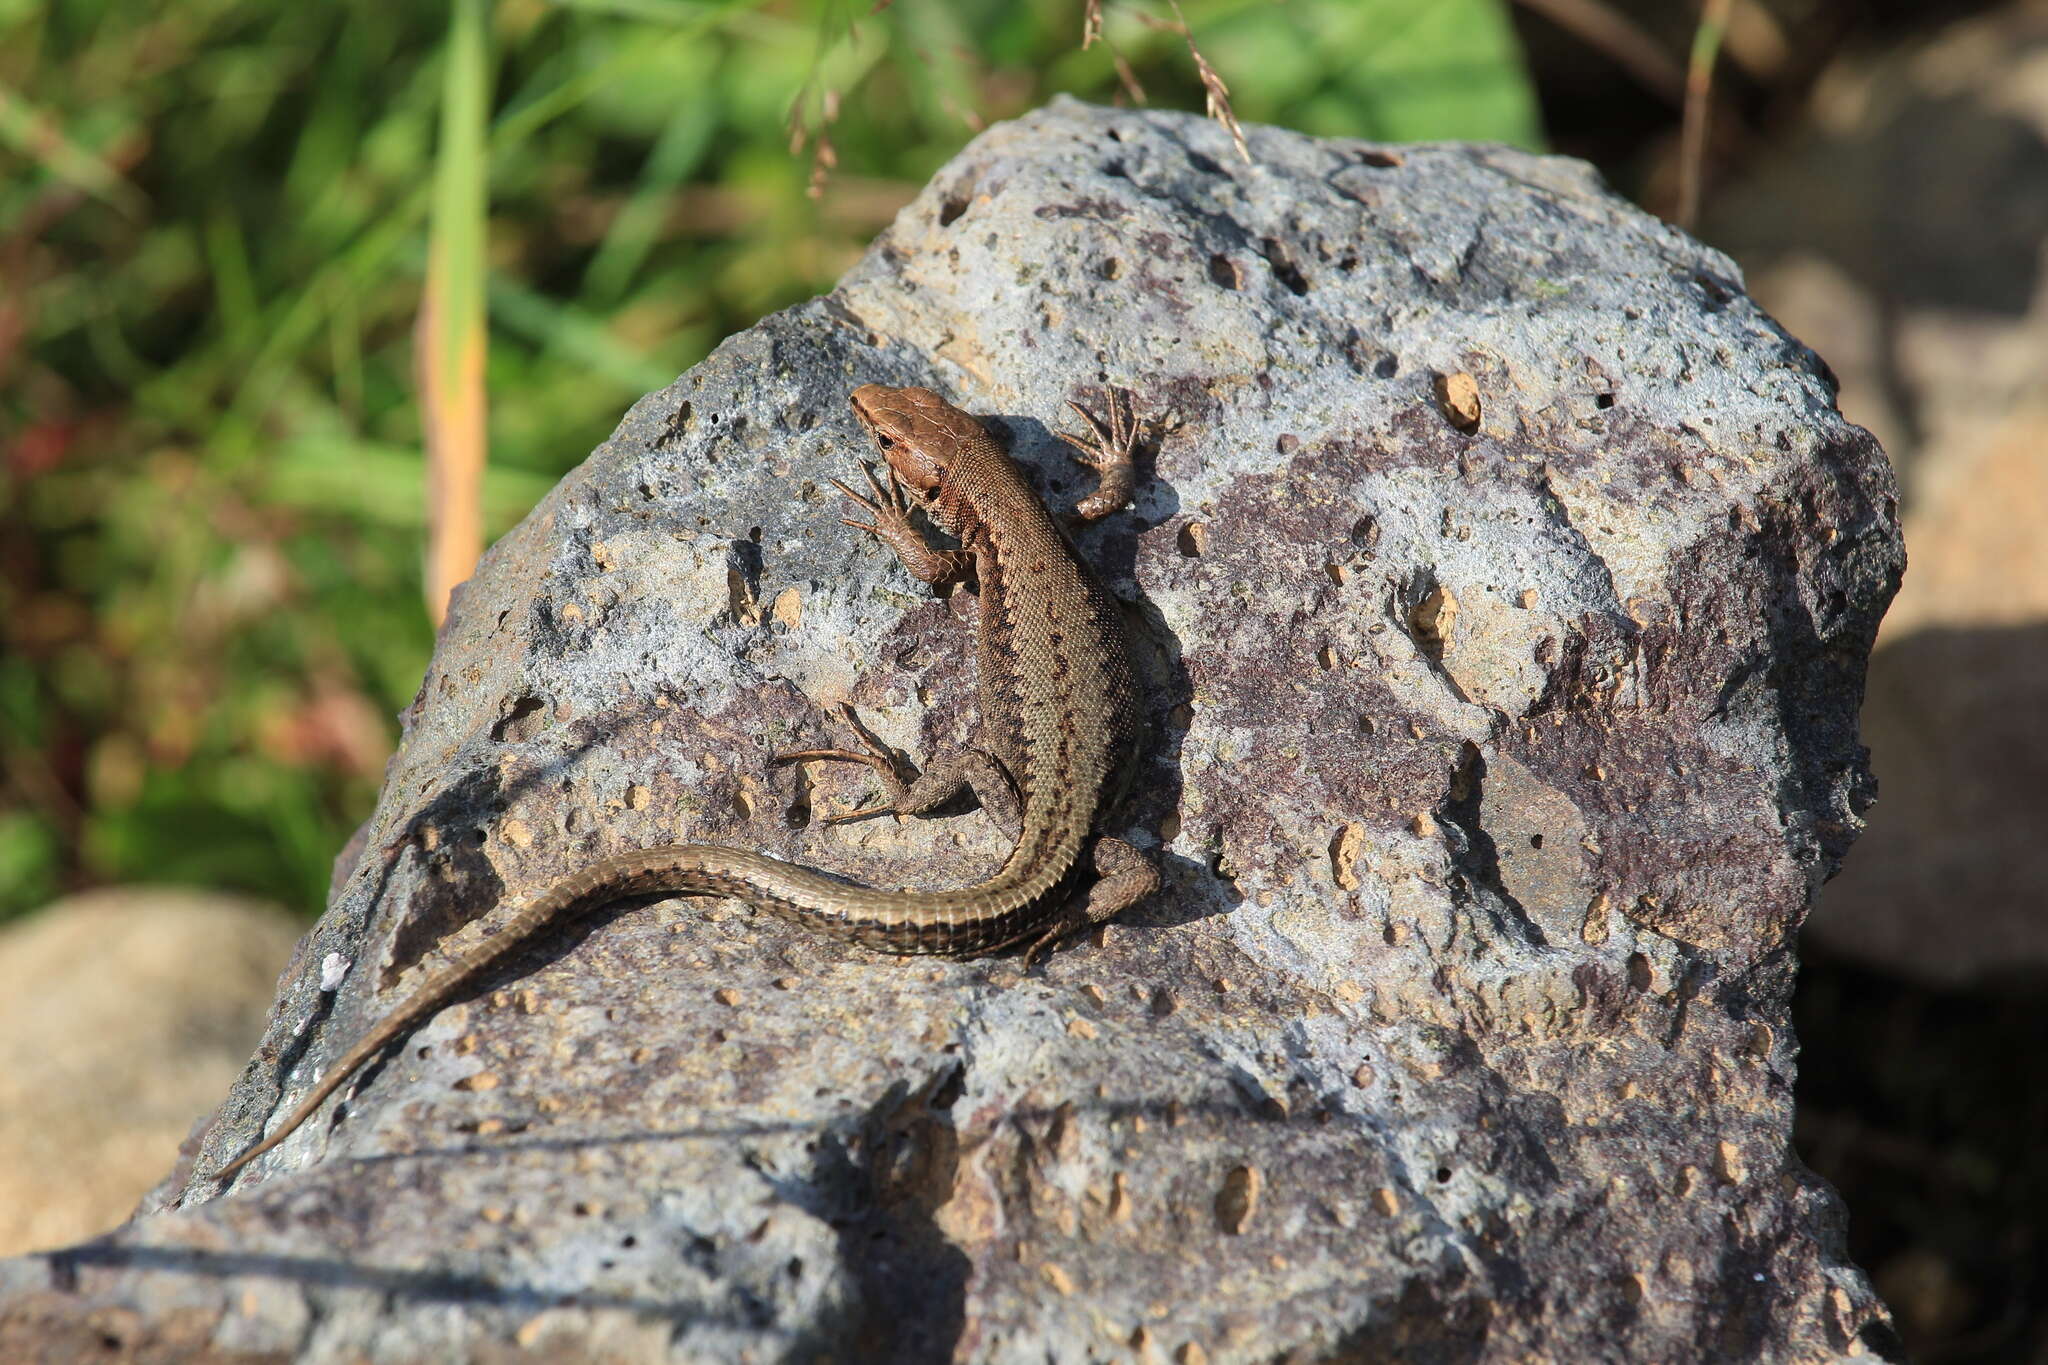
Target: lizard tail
{"x": 976, "y": 919}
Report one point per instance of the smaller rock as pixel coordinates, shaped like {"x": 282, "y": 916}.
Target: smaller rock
{"x": 127, "y": 1013}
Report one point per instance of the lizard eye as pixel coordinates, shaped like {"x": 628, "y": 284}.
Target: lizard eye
{"x": 884, "y": 442}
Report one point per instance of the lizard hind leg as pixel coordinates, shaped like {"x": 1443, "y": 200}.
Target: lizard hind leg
{"x": 1127, "y": 877}
{"x": 940, "y": 781}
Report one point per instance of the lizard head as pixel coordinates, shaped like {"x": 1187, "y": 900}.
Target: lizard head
{"x": 919, "y": 433}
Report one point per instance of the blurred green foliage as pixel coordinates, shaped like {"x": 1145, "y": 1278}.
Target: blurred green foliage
{"x": 212, "y": 241}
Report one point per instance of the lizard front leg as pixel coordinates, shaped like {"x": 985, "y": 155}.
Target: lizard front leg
{"x": 1110, "y": 449}
{"x": 890, "y": 509}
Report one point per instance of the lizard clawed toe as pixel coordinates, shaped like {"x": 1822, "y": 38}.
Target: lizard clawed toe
{"x": 863, "y": 813}
{"x": 1057, "y": 931}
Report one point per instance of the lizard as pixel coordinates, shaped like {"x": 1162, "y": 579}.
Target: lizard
{"x": 1058, "y": 742}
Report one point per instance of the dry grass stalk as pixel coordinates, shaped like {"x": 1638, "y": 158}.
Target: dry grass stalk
{"x": 1212, "y": 85}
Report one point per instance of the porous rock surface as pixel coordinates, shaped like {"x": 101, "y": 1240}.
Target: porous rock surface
{"x": 1497, "y": 753}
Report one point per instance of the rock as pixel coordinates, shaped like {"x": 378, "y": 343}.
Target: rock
{"x": 127, "y": 1011}
{"x": 1362, "y": 1080}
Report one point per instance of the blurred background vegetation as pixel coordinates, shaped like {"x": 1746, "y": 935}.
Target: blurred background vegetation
{"x": 217, "y": 219}
{"x": 214, "y": 236}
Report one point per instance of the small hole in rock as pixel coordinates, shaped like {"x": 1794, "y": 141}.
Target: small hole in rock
{"x": 521, "y": 721}
{"x": 1284, "y": 268}
{"x": 1639, "y": 977}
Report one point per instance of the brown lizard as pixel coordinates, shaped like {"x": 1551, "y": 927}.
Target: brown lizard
{"x": 1057, "y": 747}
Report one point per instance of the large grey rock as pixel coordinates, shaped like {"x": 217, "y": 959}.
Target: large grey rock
{"x": 1493, "y": 770}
